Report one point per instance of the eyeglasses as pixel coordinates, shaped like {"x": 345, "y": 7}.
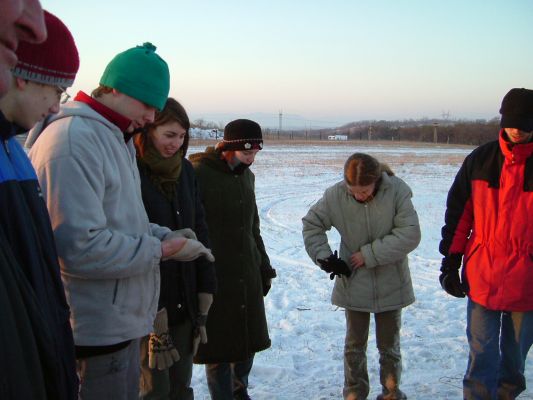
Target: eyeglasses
{"x": 62, "y": 94}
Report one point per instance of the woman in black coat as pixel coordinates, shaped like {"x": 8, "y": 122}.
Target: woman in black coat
{"x": 237, "y": 322}
{"x": 171, "y": 198}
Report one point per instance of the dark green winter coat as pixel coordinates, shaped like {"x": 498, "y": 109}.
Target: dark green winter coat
{"x": 236, "y": 326}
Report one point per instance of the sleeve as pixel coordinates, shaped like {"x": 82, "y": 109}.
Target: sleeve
{"x": 74, "y": 190}
{"x": 404, "y": 236}
{"x": 205, "y": 270}
{"x": 159, "y": 231}
{"x": 458, "y": 217}
{"x": 267, "y": 272}
{"x": 316, "y": 223}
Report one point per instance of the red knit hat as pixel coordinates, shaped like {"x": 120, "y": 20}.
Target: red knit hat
{"x": 53, "y": 62}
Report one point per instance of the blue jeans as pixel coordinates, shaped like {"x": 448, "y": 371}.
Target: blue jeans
{"x": 228, "y": 381}
{"x": 499, "y": 342}
{"x": 112, "y": 376}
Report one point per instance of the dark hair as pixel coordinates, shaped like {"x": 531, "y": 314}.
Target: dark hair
{"x": 172, "y": 112}
{"x": 362, "y": 170}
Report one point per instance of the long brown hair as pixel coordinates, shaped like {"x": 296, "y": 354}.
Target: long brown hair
{"x": 172, "y": 112}
{"x": 362, "y": 170}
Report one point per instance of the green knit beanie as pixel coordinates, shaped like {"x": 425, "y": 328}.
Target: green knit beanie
{"x": 139, "y": 73}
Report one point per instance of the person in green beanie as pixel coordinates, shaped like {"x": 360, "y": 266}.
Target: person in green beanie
{"x": 109, "y": 252}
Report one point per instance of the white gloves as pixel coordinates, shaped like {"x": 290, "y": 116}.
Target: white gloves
{"x": 161, "y": 351}
{"x": 191, "y": 250}
{"x": 200, "y": 334}
{"x": 186, "y": 233}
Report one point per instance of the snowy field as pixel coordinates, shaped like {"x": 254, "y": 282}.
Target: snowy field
{"x": 307, "y": 332}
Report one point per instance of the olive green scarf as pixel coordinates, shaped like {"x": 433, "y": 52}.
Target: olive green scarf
{"x": 163, "y": 172}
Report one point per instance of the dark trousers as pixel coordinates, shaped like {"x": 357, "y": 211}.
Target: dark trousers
{"x": 175, "y": 382}
{"x": 499, "y": 343}
{"x": 356, "y": 384}
{"x": 228, "y": 381}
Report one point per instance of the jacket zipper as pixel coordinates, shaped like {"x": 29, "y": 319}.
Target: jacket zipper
{"x": 373, "y": 271}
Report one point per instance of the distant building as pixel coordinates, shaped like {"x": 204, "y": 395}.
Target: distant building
{"x": 337, "y": 137}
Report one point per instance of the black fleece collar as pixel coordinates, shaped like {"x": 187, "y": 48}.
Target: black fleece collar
{"x": 8, "y": 129}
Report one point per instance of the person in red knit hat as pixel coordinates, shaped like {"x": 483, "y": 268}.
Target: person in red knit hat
{"x": 42, "y": 75}
{"x": 38, "y": 358}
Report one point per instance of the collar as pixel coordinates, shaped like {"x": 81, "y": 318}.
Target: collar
{"x": 8, "y": 129}
{"x": 111, "y": 115}
{"x": 515, "y": 152}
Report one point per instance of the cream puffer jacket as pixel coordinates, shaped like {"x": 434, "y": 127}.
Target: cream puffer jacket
{"x": 385, "y": 230}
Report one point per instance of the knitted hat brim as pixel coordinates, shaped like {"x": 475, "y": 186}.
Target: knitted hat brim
{"x": 241, "y": 145}
{"x": 517, "y": 121}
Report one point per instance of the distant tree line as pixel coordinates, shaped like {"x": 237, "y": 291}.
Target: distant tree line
{"x": 425, "y": 130}
{"x": 203, "y": 124}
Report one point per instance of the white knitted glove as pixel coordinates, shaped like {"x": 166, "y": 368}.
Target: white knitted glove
{"x": 191, "y": 250}
{"x": 161, "y": 351}
{"x": 186, "y": 233}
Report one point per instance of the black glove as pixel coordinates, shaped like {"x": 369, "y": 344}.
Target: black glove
{"x": 267, "y": 274}
{"x": 449, "y": 277}
{"x": 335, "y": 266}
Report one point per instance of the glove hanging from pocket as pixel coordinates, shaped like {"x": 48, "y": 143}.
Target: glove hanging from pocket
{"x": 161, "y": 350}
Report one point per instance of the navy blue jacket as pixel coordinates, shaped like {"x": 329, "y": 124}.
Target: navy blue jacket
{"x": 27, "y": 240}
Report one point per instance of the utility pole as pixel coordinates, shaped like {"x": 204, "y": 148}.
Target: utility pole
{"x": 370, "y": 133}
{"x": 280, "y": 119}
{"x": 435, "y": 124}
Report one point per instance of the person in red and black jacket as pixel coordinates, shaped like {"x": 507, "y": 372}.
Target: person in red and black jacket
{"x": 489, "y": 230}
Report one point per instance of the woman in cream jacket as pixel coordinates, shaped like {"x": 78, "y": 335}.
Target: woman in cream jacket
{"x": 372, "y": 210}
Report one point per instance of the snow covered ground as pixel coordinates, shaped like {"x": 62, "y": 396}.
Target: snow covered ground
{"x": 307, "y": 332}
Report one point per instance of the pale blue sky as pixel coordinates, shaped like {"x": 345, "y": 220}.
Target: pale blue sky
{"x": 323, "y": 62}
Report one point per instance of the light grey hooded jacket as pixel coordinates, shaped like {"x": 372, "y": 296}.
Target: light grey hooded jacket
{"x": 109, "y": 253}
{"x": 385, "y": 230}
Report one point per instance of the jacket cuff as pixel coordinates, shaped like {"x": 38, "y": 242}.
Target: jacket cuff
{"x": 451, "y": 262}
{"x": 268, "y": 273}
{"x": 368, "y": 255}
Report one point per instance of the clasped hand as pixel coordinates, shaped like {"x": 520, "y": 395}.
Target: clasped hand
{"x": 180, "y": 247}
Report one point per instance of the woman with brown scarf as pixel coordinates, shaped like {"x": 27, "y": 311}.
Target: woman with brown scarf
{"x": 171, "y": 198}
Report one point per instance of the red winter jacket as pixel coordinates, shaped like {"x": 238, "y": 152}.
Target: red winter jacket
{"x": 489, "y": 220}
